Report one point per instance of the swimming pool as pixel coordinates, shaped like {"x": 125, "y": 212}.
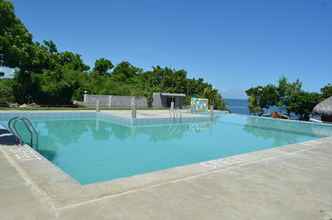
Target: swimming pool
{"x": 96, "y": 147}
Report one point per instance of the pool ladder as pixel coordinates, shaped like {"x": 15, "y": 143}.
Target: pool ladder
{"x": 31, "y": 129}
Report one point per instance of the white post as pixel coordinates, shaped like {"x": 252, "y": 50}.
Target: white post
{"x": 211, "y": 110}
{"x": 85, "y": 97}
{"x": 172, "y": 109}
{"x": 110, "y": 101}
{"x": 133, "y": 107}
{"x": 97, "y": 106}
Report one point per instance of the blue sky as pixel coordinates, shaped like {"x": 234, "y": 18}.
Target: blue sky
{"x": 233, "y": 44}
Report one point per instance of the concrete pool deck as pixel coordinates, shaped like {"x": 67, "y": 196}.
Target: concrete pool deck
{"x": 289, "y": 182}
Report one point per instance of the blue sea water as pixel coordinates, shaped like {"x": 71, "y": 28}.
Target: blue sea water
{"x": 97, "y": 149}
{"x": 239, "y": 106}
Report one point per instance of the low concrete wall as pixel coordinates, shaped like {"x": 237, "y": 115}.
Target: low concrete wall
{"x": 113, "y": 101}
{"x": 156, "y": 100}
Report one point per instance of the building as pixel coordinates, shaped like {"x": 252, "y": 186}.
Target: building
{"x": 163, "y": 100}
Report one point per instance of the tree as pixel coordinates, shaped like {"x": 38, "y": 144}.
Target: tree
{"x": 214, "y": 97}
{"x": 6, "y": 92}
{"x": 15, "y": 39}
{"x": 45, "y": 75}
{"x": 2, "y": 74}
{"x": 58, "y": 87}
{"x": 287, "y": 89}
{"x": 302, "y": 104}
{"x": 72, "y": 61}
{"x": 102, "y": 66}
{"x": 326, "y": 91}
{"x": 51, "y": 46}
{"x": 17, "y": 49}
{"x": 124, "y": 71}
{"x": 286, "y": 94}
{"x": 261, "y": 98}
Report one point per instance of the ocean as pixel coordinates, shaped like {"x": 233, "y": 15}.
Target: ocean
{"x": 239, "y": 106}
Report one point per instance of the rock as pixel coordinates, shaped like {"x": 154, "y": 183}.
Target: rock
{"x": 277, "y": 115}
{"x": 32, "y": 105}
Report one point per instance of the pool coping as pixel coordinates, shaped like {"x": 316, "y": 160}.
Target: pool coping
{"x": 63, "y": 192}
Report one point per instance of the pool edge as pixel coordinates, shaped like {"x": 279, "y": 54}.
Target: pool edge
{"x": 65, "y": 192}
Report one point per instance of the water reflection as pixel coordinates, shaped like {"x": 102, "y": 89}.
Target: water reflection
{"x": 283, "y": 132}
{"x": 226, "y": 136}
{"x": 57, "y": 134}
{"x": 306, "y": 128}
{"x": 93, "y": 149}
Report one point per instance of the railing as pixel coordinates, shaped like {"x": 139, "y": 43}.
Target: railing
{"x": 31, "y": 129}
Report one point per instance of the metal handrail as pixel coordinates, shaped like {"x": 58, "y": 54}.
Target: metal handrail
{"x": 31, "y": 129}
{"x": 27, "y": 121}
{"x": 13, "y": 130}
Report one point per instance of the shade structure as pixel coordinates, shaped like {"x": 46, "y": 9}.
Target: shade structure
{"x": 173, "y": 94}
{"x": 324, "y": 109}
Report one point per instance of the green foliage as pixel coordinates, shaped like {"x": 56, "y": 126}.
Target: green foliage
{"x": 6, "y": 91}
{"x": 327, "y": 91}
{"x": 285, "y": 94}
{"x": 50, "y": 46}
{"x": 286, "y": 89}
{"x": 102, "y": 66}
{"x": 214, "y": 97}
{"x": 71, "y": 60}
{"x": 45, "y": 75}
{"x": 15, "y": 40}
{"x": 127, "y": 79}
{"x": 59, "y": 86}
{"x": 24, "y": 87}
{"x": 262, "y": 97}
{"x": 124, "y": 71}
{"x": 302, "y": 104}
{"x": 253, "y": 105}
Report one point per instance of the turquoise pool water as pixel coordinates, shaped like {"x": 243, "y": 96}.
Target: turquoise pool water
{"x": 97, "y": 149}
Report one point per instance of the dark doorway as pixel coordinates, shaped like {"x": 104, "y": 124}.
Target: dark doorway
{"x": 168, "y": 101}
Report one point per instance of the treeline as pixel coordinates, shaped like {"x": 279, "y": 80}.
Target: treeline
{"x": 287, "y": 95}
{"x": 45, "y": 75}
